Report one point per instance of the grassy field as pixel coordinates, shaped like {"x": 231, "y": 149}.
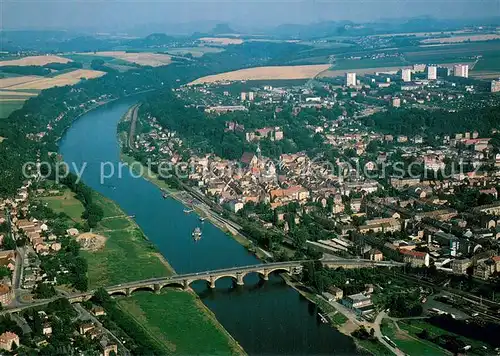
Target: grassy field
{"x": 127, "y": 255}
{"x": 179, "y": 323}
{"x": 410, "y": 344}
{"x": 374, "y": 347}
{"x": 414, "y": 327}
{"x": 66, "y": 203}
{"x": 8, "y": 106}
{"x": 195, "y": 51}
{"x": 140, "y": 58}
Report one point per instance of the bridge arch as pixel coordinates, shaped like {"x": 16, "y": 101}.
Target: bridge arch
{"x": 174, "y": 284}
{"x": 142, "y": 288}
{"x": 232, "y": 276}
{"x": 117, "y": 293}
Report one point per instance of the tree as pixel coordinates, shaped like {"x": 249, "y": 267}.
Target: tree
{"x": 44, "y": 291}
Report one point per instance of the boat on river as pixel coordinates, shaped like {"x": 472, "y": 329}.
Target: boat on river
{"x": 197, "y": 234}
{"x": 187, "y": 211}
{"x": 202, "y": 219}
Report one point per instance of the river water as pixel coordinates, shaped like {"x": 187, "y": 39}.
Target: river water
{"x": 264, "y": 317}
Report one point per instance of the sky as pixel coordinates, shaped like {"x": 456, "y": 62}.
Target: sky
{"x": 124, "y": 15}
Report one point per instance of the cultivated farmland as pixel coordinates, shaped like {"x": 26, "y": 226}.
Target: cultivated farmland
{"x": 35, "y": 61}
{"x": 40, "y": 83}
{"x": 140, "y": 58}
{"x": 263, "y": 73}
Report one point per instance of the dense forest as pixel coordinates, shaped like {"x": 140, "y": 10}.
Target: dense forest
{"x": 437, "y": 122}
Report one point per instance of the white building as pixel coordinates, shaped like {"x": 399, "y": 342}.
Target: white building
{"x": 406, "y": 74}
{"x": 432, "y": 72}
{"x": 251, "y": 96}
{"x": 495, "y": 86}
{"x": 461, "y": 70}
{"x": 396, "y": 102}
{"x": 243, "y": 96}
{"x": 350, "y": 79}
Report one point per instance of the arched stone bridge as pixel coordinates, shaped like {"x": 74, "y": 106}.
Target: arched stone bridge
{"x": 236, "y": 273}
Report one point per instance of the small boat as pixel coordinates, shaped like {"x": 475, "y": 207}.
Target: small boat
{"x": 197, "y": 234}
{"x": 202, "y": 219}
{"x": 165, "y": 195}
{"x": 187, "y": 211}
{"x": 132, "y": 216}
{"x": 323, "y": 319}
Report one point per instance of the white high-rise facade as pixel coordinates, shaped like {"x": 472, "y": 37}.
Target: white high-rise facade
{"x": 406, "y": 74}
{"x": 432, "y": 72}
{"x": 350, "y": 79}
{"x": 461, "y": 70}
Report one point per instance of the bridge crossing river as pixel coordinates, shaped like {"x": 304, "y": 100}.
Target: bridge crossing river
{"x": 264, "y": 317}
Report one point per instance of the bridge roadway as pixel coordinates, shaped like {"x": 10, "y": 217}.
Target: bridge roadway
{"x": 236, "y": 273}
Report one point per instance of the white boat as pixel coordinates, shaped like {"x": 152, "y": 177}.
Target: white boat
{"x": 197, "y": 234}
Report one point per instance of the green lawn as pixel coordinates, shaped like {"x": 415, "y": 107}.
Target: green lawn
{"x": 110, "y": 208}
{"x": 374, "y": 347}
{"x": 67, "y": 203}
{"x": 180, "y": 323}
{"x": 411, "y": 345}
{"x": 414, "y": 327}
{"x": 118, "y": 223}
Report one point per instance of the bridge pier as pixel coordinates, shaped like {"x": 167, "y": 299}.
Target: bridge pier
{"x": 212, "y": 282}
{"x": 185, "y": 283}
{"x": 239, "y": 279}
{"x": 157, "y": 288}
{"x": 264, "y": 276}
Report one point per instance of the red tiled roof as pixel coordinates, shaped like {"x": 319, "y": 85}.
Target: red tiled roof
{"x": 416, "y": 254}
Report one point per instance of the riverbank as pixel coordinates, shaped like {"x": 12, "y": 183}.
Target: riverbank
{"x": 336, "y": 319}
{"x": 180, "y": 330}
{"x": 127, "y": 256}
{"x": 182, "y": 196}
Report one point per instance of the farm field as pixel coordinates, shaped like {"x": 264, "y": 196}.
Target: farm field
{"x": 65, "y": 203}
{"x": 464, "y": 38}
{"x": 8, "y": 106}
{"x": 40, "y": 83}
{"x": 141, "y": 58}
{"x": 264, "y": 73}
{"x": 194, "y": 51}
{"x": 170, "y": 317}
{"x": 35, "y": 61}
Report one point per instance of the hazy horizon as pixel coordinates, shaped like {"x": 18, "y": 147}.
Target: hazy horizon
{"x": 127, "y": 16}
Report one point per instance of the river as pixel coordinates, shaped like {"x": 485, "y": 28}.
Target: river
{"x": 264, "y": 317}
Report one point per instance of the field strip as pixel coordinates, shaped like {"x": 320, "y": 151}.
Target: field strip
{"x": 141, "y": 58}
{"x": 266, "y": 73}
{"x": 35, "y": 61}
